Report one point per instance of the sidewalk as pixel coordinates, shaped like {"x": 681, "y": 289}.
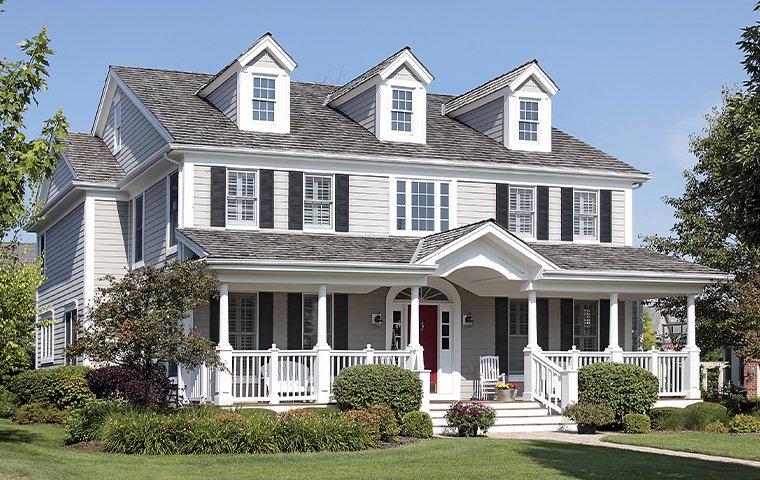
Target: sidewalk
{"x": 595, "y": 441}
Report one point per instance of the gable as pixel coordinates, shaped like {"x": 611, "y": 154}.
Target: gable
{"x": 265, "y": 60}
{"x": 60, "y": 179}
{"x": 531, "y": 86}
{"x": 405, "y": 74}
{"x": 225, "y": 98}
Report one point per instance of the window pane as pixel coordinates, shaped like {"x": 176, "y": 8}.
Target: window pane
{"x": 310, "y": 305}
{"x": 400, "y": 205}
{"x": 318, "y": 201}
{"x": 241, "y": 197}
{"x": 518, "y": 335}
{"x": 528, "y": 124}
{"x": 584, "y": 214}
{"x": 401, "y": 111}
{"x": 263, "y": 99}
{"x": 423, "y": 203}
{"x": 242, "y": 322}
{"x": 521, "y": 211}
{"x": 586, "y": 325}
{"x": 138, "y": 240}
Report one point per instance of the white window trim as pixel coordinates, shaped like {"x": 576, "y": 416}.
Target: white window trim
{"x": 534, "y": 212}
{"x": 70, "y": 307}
{"x": 408, "y": 232}
{"x": 512, "y": 122}
{"x": 46, "y": 320}
{"x": 598, "y": 321}
{"x": 384, "y": 102}
{"x": 171, "y": 249}
{"x": 313, "y": 228}
{"x": 141, "y": 262}
{"x": 537, "y": 101}
{"x": 118, "y": 134}
{"x": 41, "y": 247}
{"x": 237, "y": 225}
{"x": 581, "y": 239}
{"x": 412, "y": 112}
{"x": 245, "y": 119}
{"x": 274, "y": 101}
{"x": 257, "y": 332}
{"x": 331, "y": 320}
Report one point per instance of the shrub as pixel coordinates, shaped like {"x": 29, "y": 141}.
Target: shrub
{"x": 624, "y": 388}
{"x": 698, "y": 415}
{"x": 417, "y": 425}
{"x": 312, "y": 412}
{"x": 588, "y": 416}
{"x": 125, "y": 383}
{"x": 389, "y": 428}
{"x": 667, "y": 418}
{"x": 370, "y": 421}
{"x": 361, "y": 386}
{"x": 636, "y": 423}
{"x": 716, "y": 427}
{"x": 39, "y": 413}
{"x": 257, "y": 413}
{"x": 83, "y": 425}
{"x": 8, "y": 403}
{"x": 745, "y": 424}
{"x": 320, "y": 434}
{"x": 63, "y": 387}
{"x": 470, "y": 418}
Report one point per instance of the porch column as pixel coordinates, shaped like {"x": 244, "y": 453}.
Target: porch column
{"x": 614, "y": 347}
{"x": 414, "y": 327}
{"x": 532, "y": 320}
{"x": 322, "y": 348}
{"x": 223, "y": 394}
{"x": 691, "y": 384}
{"x": 532, "y": 346}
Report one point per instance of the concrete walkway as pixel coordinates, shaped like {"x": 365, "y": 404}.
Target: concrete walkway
{"x": 595, "y": 441}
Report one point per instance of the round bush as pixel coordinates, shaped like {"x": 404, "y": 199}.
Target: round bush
{"x": 745, "y": 424}
{"x": 470, "y": 418}
{"x": 624, "y": 388}
{"x": 589, "y": 415}
{"x": 83, "y": 425}
{"x": 125, "y": 383}
{"x": 698, "y": 415}
{"x": 636, "y": 423}
{"x": 39, "y": 413}
{"x": 667, "y": 418}
{"x": 716, "y": 427}
{"x": 389, "y": 428}
{"x": 361, "y": 386}
{"x": 8, "y": 403}
{"x": 417, "y": 425}
{"x": 62, "y": 387}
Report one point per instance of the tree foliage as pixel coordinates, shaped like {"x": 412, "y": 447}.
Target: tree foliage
{"x": 649, "y": 339}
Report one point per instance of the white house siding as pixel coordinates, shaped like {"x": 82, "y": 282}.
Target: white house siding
{"x": 360, "y": 330}
{"x": 368, "y": 204}
{"x": 60, "y": 179}
{"x": 487, "y": 119}
{"x": 555, "y": 214}
{"x": 154, "y": 249}
{"x": 618, "y": 217}
{"x": 281, "y": 200}
{"x": 361, "y": 109}
{"x": 475, "y": 202}
{"x": 140, "y": 139}
{"x": 225, "y": 98}
{"x": 64, "y": 273}
{"x": 111, "y": 239}
{"x": 202, "y": 193}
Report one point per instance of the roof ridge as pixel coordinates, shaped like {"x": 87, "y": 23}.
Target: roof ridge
{"x": 331, "y": 96}
{"x": 508, "y": 72}
{"x": 156, "y": 69}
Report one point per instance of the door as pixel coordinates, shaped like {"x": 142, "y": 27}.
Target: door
{"x": 429, "y": 340}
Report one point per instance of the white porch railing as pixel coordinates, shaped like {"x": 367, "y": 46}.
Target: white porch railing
{"x": 563, "y": 359}
{"x": 340, "y": 359}
{"x": 545, "y": 381}
{"x": 198, "y": 383}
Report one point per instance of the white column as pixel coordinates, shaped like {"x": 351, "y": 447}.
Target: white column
{"x": 223, "y": 394}
{"x": 614, "y": 344}
{"x": 414, "y": 328}
{"x": 528, "y": 368}
{"x": 692, "y": 363}
{"x": 322, "y": 316}
{"x": 532, "y": 320}
{"x": 691, "y": 321}
{"x": 322, "y": 348}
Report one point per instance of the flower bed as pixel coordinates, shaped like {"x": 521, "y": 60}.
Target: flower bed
{"x": 470, "y": 419}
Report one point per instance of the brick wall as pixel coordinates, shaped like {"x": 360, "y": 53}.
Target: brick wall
{"x": 751, "y": 374}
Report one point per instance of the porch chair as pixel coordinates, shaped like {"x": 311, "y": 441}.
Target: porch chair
{"x": 489, "y": 377}
{"x": 294, "y": 378}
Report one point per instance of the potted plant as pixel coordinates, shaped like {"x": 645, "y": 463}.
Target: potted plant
{"x": 588, "y": 416}
{"x": 506, "y": 392}
{"x": 470, "y": 418}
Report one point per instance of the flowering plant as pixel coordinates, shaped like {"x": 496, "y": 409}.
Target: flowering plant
{"x": 470, "y": 418}
{"x": 506, "y": 386}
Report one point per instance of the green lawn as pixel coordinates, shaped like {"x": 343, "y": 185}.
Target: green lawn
{"x": 36, "y": 452}
{"x": 721, "y": 444}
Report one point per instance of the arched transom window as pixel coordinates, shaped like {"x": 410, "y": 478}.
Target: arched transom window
{"x": 429, "y": 294}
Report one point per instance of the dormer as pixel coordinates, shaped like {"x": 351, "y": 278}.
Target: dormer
{"x": 389, "y": 99}
{"x": 514, "y": 109}
{"x": 254, "y": 89}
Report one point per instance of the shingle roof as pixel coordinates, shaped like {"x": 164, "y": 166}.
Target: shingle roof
{"x": 436, "y": 241}
{"x": 314, "y": 127}
{"x": 350, "y": 85}
{"x": 487, "y": 88}
{"x": 91, "y": 159}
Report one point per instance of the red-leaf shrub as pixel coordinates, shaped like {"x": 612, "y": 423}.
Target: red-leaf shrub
{"x": 125, "y": 383}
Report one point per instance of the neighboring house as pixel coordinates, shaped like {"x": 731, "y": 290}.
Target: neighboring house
{"x": 436, "y": 228}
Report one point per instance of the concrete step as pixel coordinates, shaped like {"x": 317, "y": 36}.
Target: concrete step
{"x": 522, "y": 412}
{"x": 516, "y": 405}
{"x": 530, "y": 420}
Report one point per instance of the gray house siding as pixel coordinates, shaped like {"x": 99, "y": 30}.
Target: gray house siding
{"x": 361, "y": 109}
{"x": 225, "y": 98}
{"x": 618, "y": 217}
{"x": 487, "y": 119}
{"x": 477, "y": 201}
{"x": 111, "y": 240}
{"x": 555, "y": 211}
{"x": 368, "y": 204}
{"x": 60, "y": 179}
{"x": 281, "y": 200}
{"x": 202, "y": 194}
{"x": 360, "y": 330}
{"x": 155, "y": 223}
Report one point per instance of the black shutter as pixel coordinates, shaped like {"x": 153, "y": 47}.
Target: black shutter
{"x": 566, "y": 324}
{"x": 502, "y": 332}
{"x": 605, "y": 216}
{"x": 502, "y": 205}
{"x": 295, "y": 201}
{"x": 566, "y": 215}
{"x": 266, "y": 320}
{"x": 218, "y": 196}
{"x": 542, "y": 315}
{"x": 604, "y": 324}
{"x": 295, "y": 321}
{"x": 266, "y": 199}
{"x": 213, "y": 319}
{"x": 341, "y": 203}
{"x": 542, "y": 213}
{"x": 340, "y": 321}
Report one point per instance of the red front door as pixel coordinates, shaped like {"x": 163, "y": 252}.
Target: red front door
{"x": 429, "y": 339}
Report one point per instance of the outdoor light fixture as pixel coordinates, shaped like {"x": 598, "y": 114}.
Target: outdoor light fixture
{"x": 376, "y": 319}
{"x": 467, "y": 320}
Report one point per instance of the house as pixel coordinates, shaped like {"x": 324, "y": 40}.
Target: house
{"x": 373, "y": 221}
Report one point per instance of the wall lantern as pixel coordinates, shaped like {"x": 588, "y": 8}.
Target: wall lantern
{"x": 376, "y": 319}
{"x": 467, "y": 320}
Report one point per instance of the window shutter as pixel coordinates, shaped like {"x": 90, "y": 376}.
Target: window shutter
{"x": 266, "y": 318}
{"x": 605, "y": 216}
{"x": 213, "y": 319}
{"x": 566, "y": 324}
{"x": 502, "y": 205}
{"x": 341, "y": 203}
{"x": 218, "y": 196}
{"x": 266, "y": 199}
{"x": 295, "y": 201}
{"x": 502, "y": 332}
{"x": 604, "y": 324}
{"x": 295, "y": 321}
{"x": 340, "y": 321}
{"x": 566, "y": 215}
{"x": 542, "y": 315}
{"x": 542, "y": 213}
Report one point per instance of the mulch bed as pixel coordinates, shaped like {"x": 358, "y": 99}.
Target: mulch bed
{"x": 90, "y": 447}
{"x": 399, "y": 442}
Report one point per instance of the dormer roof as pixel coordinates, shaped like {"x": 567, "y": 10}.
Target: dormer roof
{"x": 512, "y": 80}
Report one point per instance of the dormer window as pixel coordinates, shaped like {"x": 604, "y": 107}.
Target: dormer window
{"x": 263, "y": 99}
{"x": 401, "y": 110}
{"x": 528, "y": 126}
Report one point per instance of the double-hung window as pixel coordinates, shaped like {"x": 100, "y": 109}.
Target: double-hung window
{"x": 263, "y": 99}
{"x": 46, "y": 332}
{"x": 241, "y": 197}
{"x": 401, "y": 110}
{"x": 585, "y": 215}
{"x": 586, "y": 325}
{"x": 528, "y": 124}
{"x": 422, "y": 206}
{"x": 117, "y": 129}
{"x": 521, "y": 211}
{"x": 138, "y": 237}
{"x": 518, "y": 335}
{"x": 317, "y": 201}
{"x": 242, "y": 319}
{"x": 173, "y": 208}
{"x": 310, "y": 303}
{"x": 70, "y": 329}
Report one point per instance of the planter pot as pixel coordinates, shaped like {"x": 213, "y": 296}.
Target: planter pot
{"x": 503, "y": 395}
{"x": 468, "y": 431}
{"x": 512, "y": 393}
{"x": 586, "y": 429}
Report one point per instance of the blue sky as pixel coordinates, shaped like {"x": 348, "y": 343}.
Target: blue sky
{"x": 635, "y": 78}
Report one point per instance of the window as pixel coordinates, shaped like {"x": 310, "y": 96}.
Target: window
{"x": 241, "y": 197}
{"x": 401, "y": 205}
{"x": 46, "y": 333}
{"x": 445, "y": 329}
{"x": 263, "y": 99}
{"x": 586, "y": 325}
{"x": 317, "y": 201}
{"x": 444, "y": 206}
{"x": 242, "y": 321}
{"x": 427, "y": 294}
{"x": 396, "y": 331}
{"x": 518, "y": 335}
{"x": 117, "y": 133}
{"x": 528, "y": 126}
{"x": 310, "y": 320}
{"x": 70, "y": 328}
{"x": 521, "y": 211}
{"x": 401, "y": 110}
{"x": 173, "y": 208}
{"x": 139, "y": 213}
{"x": 584, "y": 215}
{"x": 423, "y": 206}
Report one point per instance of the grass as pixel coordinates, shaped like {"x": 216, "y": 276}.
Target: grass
{"x": 721, "y": 444}
{"x": 37, "y": 452}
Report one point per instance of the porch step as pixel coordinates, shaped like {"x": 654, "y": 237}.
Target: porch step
{"x": 511, "y": 417}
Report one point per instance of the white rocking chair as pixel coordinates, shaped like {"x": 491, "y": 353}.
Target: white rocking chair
{"x": 489, "y": 377}
{"x": 293, "y": 377}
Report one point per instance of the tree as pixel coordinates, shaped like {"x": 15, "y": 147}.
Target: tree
{"x": 648, "y": 339}
{"x": 136, "y": 321}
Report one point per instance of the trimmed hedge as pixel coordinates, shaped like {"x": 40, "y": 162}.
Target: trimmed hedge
{"x": 361, "y": 386}
{"x": 389, "y": 428}
{"x": 370, "y": 421}
{"x": 417, "y": 425}
{"x": 698, "y": 415}
{"x": 589, "y": 414}
{"x": 62, "y": 387}
{"x": 745, "y": 424}
{"x": 118, "y": 382}
{"x": 667, "y": 418}
{"x": 8, "y": 403}
{"x": 716, "y": 427}
{"x": 83, "y": 425}
{"x": 636, "y": 423}
{"x": 624, "y": 388}
{"x": 39, "y": 413}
